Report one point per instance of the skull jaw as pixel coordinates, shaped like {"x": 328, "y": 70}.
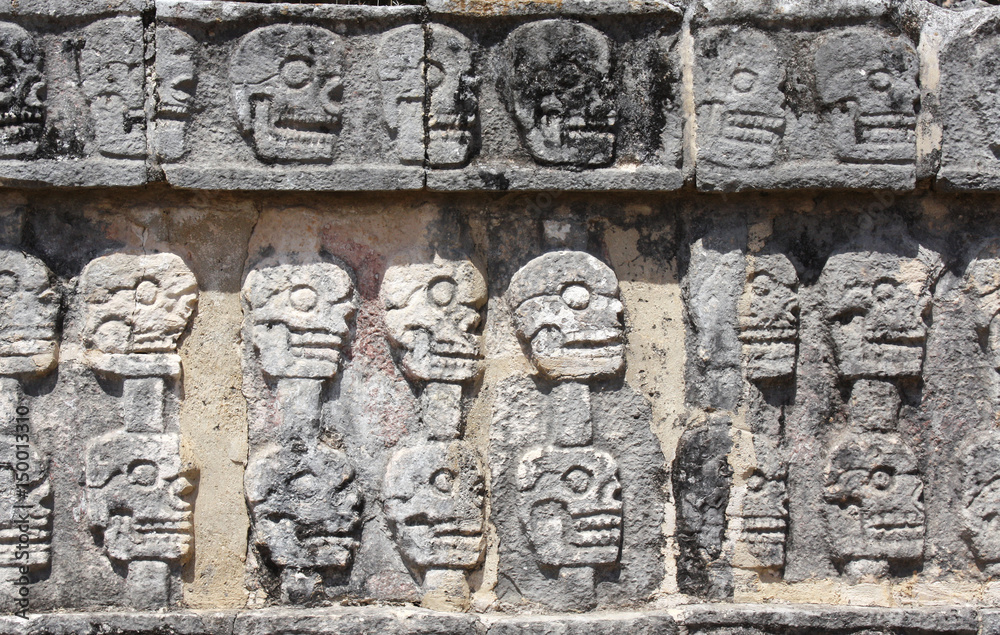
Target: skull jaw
{"x": 857, "y": 357}
{"x": 746, "y": 139}
{"x": 279, "y": 358}
{"x": 858, "y": 535}
{"x": 427, "y": 548}
{"x": 287, "y": 145}
{"x": 166, "y": 540}
{"x": 445, "y": 368}
{"x": 888, "y": 137}
{"x": 584, "y": 539}
{"x": 316, "y": 552}
{"x": 556, "y": 143}
{"x": 449, "y": 147}
{"x": 581, "y": 364}
{"x": 769, "y": 360}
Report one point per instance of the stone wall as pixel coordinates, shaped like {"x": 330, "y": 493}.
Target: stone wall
{"x": 484, "y": 317}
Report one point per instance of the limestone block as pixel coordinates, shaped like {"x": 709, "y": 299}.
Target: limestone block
{"x": 780, "y": 105}
{"x": 825, "y": 619}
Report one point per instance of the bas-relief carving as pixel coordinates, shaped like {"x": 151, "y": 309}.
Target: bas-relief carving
{"x": 741, "y": 99}
{"x": 769, "y": 324}
{"x": 555, "y": 82}
{"x": 112, "y": 76}
{"x": 867, "y": 85}
{"x": 135, "y": 310}
{"x": 22, "y": 108}
{"x": 877, "y": 301}
{"x": 561, "y": 505}
{"x": 29, "y": 309}
{"x": 176, "y": 80}
{"x": 429, "y": 68}
{"x": 434, "y": 493}
{"x": 304, "y": 501}
{"x": 287, "y": 89}
{"x": 980, "y": 499}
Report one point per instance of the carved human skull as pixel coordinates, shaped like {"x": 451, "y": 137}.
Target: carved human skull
{"x": 22, "y": 113}
{"x": 874, "y": 499}
{"x": 25, "y": 505}
{"x": 769, "y": 318}
{"x": 176, "y": 80}
{"x": 555, "y": 82}
{"x": 742, "y": 81}
{"x": 435, "y": 502}
{"x": 305, "y": 506}
{"x": 135, "y": 496}
{"x": 401, "y": 73}
{"x": 765, "y": 517}
{"x": 29, "y": 308}
{"x": 570, "y": 505}
{"x": 432, "y": 314}
{"x": 982, "y": 283}
{"x": 300, "y": 317}
{"x": 877, "y": 300}
{"x": 137, "y": 304}
{"x": 287, "y": 88}
{"x": 112, "y": 77}
{"x": 867, "y": 81}
{"x": 566, "y": 309}
{"x": 981, "y": 499}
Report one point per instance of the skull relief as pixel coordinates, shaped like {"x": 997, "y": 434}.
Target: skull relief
{"x": 305, "y": 506}
{"x": 33, "y": 511}
{"x": 982, "y": 283}
{"x": 29, "y": 308}
{"x": 137, "y": 304}
{"x": 769, "y": 318}
{"x": 981, "y": 499}
{"x": 22, "y": 114}
{"x": 300, "y": 317}
{"x": 432, "y": 311}
{"x": 287, "y": 89}
{"x": 135, "y": 497}
{"x": 435, "y": 502}
{"x": 765, "y": 517}
{"x": 566, "y": 310}
{"x": 876, "y": 305}
{"x": 555, "y": 82}
{"x": 744, "y": 83}
{"x": 175, "y": 85}
{"x": 401, "y": 72}
{"x": 874, "y": 496}
{"x": 868, "y": 82}
{"x": 570, "y": 505}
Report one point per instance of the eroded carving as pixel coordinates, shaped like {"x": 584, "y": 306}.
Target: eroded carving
{"x": 112, "y": 76}
{"x": 287, "y": 89}
{"x": 135, "y": 310}
{"x": 176, "y": 80}
{"x": 980, "y": 463}
{"x": 867, "y": 84}
{"x": 430, "y": 66}
{"x": 769, "y": 318}
{"x": 22, "y": 111}
{"x": 567, "y": 312}
{"x": 742, "y": 118}
{"x": 304, "y": 501}
{"x": 555, "y": 82}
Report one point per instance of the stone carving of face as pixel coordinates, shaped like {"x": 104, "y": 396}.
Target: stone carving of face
{"x": 28, "y": 312}
{"x": 876, "y": 304}
{"x": 874, "y": 496}
{"x": 555, "y": 82}
{"x": 769, "y": 318}
{"x": 287, "y": 89}
{"x": 300, "y": 317}
{"x": 112, "y": 78}
{"x": 305, "y": 506}
{"x": 137, "y": 304}
{"x": 982, "y": 283}
{"x": 175, "y": 73}
{"x": 432, "y": 311}
{"x": 765, "y": 517}
{"x": 981, "y": 499}
{"x": 22, "y": 88}
{"x": 135, "y": 497}
{"x": 566, "y": 309}
{"x": 868, "y": 81}
{"x": 435, "y": 497}
{"x": 744, "y": 79}
{"x": 36, "y": 503}
{"x": 570, "y": 505}
{"x": 401, "y": 72}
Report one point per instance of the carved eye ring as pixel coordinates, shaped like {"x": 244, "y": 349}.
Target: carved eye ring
{"x": 442, "y": 291}
{"x": 881, "y": 479}
{"x": 143, "y": 473}
{"x": 880, "y": 81}
{"x": 303, "y": 298}
{"x": 145, "y": 293}
{"x": 743, "y": 80}
{"x": 443, "y": 480}
{"x": 296, "y": 72}
{"x": 576, "y": 296}
{"x": 577, "y": 478}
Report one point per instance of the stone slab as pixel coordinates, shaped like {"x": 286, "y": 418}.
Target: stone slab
{"x": 543, "y": 8}
{"x": 500, "y": 177}
{"x": 357, "y": 621}
{"x": 824, "y": 619}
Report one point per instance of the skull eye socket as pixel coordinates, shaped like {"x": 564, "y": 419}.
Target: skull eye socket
{"x": 303, "y": 298}
{"x": 755, "y": 483}
{"x": 143, "y": 473}
{"x": 576, "y": 296}
{"x": 880, "y": 81}
{"x": 881, "y": 479}
{"x": 442, "y": 292}
{"x": 435, "y": 74}
{"x": 297, "y": 72}
{"x": 577, "y": 479}
{"x": 145, "y": 293}
{"x": 443, "y": 480}
{"x": 743, "y": 80}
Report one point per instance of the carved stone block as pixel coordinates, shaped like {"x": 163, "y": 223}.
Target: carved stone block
{"x": 780, "y": 105}
{"x": 176, "y": 82}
